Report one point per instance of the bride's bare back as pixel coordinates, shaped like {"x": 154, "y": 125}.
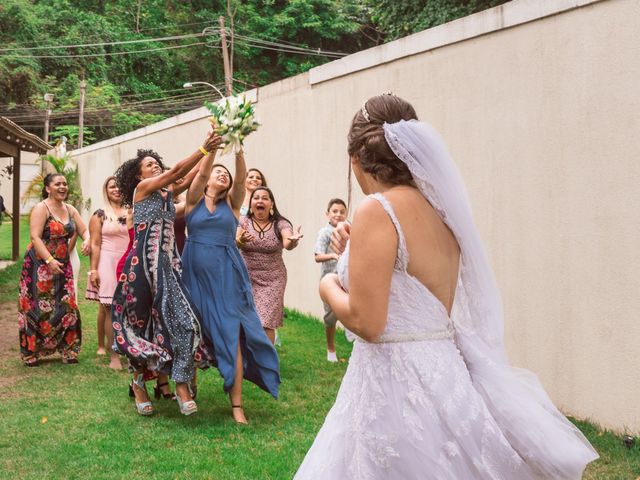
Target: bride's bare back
{"x": 434, "y": 254}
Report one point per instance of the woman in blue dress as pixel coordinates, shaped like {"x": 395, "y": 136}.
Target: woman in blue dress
{"x": 218, "y": 281}
{"x": 154, "y": 321}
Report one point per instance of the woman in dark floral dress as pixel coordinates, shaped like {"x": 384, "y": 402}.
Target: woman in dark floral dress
{"x": 155, "y": 323}
{"x": 48, "y": 316}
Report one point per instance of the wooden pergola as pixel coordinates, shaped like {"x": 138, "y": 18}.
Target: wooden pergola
{"x": 14, "y": 140}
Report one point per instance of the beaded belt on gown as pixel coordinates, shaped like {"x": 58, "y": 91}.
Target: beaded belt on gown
{"x": 416, "y": 336}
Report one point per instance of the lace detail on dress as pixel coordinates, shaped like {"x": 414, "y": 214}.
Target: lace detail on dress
{"x": 409, "y": 159}
{"x": 411, "y": 409}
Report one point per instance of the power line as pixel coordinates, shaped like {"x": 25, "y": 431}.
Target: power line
{"x": 153, "y": 92}
{"x": 246, "y": 40}
{"x": 293, "y": 49}
{"x": 163, "y": 104}
{"x": 86, "y": 55}
{"x": 103, "y": 44}
{"x": 279, "y": 45}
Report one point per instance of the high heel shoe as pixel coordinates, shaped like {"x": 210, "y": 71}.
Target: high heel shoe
{"x": 144, "y": 408}
{"x": 187, "y": 408}
{"x": 157, "y": 392}
{"x": 246, "y": 422}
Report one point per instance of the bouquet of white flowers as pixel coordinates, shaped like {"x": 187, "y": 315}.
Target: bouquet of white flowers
{"x": 233, "y": 120}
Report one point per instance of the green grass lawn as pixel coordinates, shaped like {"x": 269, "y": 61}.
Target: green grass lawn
{"x": 77, "y": 422}
{"x": 5, "y": 237}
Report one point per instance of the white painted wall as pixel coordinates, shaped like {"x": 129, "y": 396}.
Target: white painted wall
{"x": 28, "y": 170}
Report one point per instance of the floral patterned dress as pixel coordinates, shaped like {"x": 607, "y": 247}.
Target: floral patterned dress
{"x": 268, "y": 274}
{"x": 48, "y": 316}
{"x": 155, "y": 323}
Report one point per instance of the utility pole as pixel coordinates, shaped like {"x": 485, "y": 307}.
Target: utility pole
{"x": 83, "y": 88}
{"x": 48, "y": 97}
{"x": 228, "y": 75}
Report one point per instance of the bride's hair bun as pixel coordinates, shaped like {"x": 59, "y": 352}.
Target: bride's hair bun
{"x": 367, "y": 142}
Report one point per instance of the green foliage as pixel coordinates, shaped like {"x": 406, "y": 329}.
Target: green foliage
{"x": 65, "y": 166}
{"x": 126, "y": 121}
{"x": 72, "y": 132}
{"x": 120, "y": 87}
{"x": 399, "y": 18}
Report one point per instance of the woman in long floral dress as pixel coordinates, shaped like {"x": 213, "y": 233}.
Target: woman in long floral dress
{"x": 155, "y": 323}
{"x": 48, "y": 316}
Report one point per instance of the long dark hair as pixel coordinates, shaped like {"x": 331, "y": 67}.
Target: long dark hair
{"x": 128, "y": 175}
{"x": 274, "y": 217}
{"x": 48, "y": 180}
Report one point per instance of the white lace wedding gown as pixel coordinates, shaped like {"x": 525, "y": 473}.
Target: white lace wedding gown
{"x": 408, "y": 407}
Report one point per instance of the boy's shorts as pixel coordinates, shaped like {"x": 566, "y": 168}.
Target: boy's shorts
{"x": 329, "y": 318}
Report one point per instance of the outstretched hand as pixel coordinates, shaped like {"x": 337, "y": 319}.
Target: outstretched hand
{"x": 244, "y": 237}
{"x": 212, "y": 141}
{"x": 340, "y": 237}
{"x": 297, "y": 235}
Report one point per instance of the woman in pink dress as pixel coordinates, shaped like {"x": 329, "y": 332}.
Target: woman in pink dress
{"x": 261, "y": 236}
{"x": 109, "y": 240}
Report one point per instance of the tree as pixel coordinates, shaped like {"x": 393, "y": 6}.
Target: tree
{"x": 71, "y": 132}
{"x": 399, "y": 18}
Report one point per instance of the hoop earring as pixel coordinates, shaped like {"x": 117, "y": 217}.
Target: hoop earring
{"x": 271, "y": 212}
{"x": 250, "y": 212}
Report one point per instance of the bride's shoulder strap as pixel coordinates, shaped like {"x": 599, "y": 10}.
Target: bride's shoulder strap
{"x": 403, "y": 253}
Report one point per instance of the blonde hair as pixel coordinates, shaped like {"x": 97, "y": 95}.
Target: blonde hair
{"x": 109, "y": 212}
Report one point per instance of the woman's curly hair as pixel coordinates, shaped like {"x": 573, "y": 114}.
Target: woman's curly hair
{"x": 128, "y": 175}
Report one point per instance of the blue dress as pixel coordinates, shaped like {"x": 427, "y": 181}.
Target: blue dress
{"x": 218, "y": 281}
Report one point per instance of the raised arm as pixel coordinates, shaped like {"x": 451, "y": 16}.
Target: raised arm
{"x": 185, "y": 182}
{"x": 179, "y": 170}
{"x": 289, "y": 238}
{"x": 237, "y": 191}
{"x": 202, "y": 177}
{"x": 364, "y": 309}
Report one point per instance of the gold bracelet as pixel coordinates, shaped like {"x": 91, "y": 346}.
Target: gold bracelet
{"x": 49, "y": 260}
{"x": 204, "y": 152}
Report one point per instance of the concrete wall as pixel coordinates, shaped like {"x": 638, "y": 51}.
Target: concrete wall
{"x": 538, "y": 103}
{"x": 29, "y": 168}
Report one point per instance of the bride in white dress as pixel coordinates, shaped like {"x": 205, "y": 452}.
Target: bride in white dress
{"x": 428, "y": 393}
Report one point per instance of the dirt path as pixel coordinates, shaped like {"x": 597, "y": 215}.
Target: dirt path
{"x": 9, "y": 348}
